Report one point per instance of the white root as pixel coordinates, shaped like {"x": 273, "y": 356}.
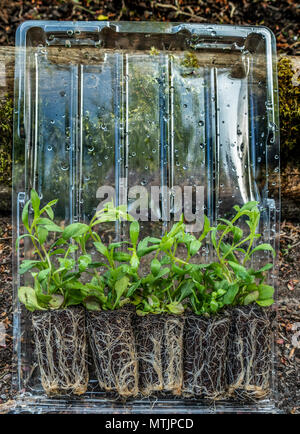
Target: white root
{"x": 249, "y": 353}
{"x": 159, "y": 340}
{"x": 205, "y": 356}
{"x": 113, "y": 346}
{"x": 61, "y": 349}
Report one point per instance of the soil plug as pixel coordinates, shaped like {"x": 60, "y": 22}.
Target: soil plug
{"x": 205, "y": 354}
{"x": 61, "y": 348}
{"x": 249, "y": 358}
{"x": 159, "y": 348}
{"x": 112, "y": 342}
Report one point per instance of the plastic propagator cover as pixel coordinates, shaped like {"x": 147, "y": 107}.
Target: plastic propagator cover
{"x": 165, "y": 118}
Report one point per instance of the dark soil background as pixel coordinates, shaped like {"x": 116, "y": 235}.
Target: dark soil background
{"x": 282, "y": 17}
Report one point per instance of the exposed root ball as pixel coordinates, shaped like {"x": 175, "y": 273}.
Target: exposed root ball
{"x": 149, "y": 331}
{"x": 113, "y": 346}
{"x": 205, "y": 354}
{"x": 61, "y": 346}
{"x": 159, "y": 340}
{"x": 249, "y": 358}
{"x": 172, "y": 353}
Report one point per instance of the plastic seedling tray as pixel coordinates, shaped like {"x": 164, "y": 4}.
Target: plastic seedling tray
{"x": 120, "y": 110}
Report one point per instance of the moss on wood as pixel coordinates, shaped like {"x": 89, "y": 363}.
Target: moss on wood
{"x": 289, "y": 97}
{"x": 6, "y": 128}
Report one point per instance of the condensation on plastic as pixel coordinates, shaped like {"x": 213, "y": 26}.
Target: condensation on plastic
{"x": 100, "y": 103}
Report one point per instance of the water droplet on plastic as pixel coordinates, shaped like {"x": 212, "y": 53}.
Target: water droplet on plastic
{"x": 200, "y": 123}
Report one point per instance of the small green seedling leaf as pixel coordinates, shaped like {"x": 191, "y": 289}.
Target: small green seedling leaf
{"x": 28, "y": 297}
{"x": 251, "y": 297}
{"x": 35, "y": 202}
{"x": 231, "y": 294}
{"x": 57, "y": 300}
{"x": 263, "y": 247}
{"x": 134, "y": 231}
{"x": 266, "y": 302}
{"x": 25, "y": 215}
{"x": 265, "y": 292}
{"x": 74, "y": 230}
{"x": 83, "y": 262}
{"x": 194, "y": 247}
{"x": 27, "y": 265}
{"x": 120, "y": 288}
{"x": 155, "y": 267}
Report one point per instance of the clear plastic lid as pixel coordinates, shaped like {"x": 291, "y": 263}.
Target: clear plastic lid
{"x": 164, "y": 117}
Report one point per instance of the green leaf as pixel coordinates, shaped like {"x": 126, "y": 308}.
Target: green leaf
{"x": 121, "y": 256}
{"x": 35, "y": 201}
{"x": 83, "y": 262}
{"x": 237, "y": 234}
{"x": 74, "y": 230}
{"x": 214, "y": 306}
{"x": 194, "y": 247}
{"x": 66, "y": 263}
{"x": 27, "y": 296}
{"x": 25, "y": 215}
{"x": 101, "y": 248}
{"x": 252, "y": 296}
{"x": 120, "y": 288}
{"x": 144, "y": 251}
{"x": 226, "y": 250}
{"x": 133, "y": 288}
{"x": 50, "y": 212}
{"x": 264, "y": 268}
{"x": 266, "y": 302}
{"x": 134, "y": 262}
{"x": 134, "y": 231}
{"x": 42, "y": 234}
{"x": 153, "y": 240}
{"x": 91, "y": 303}
{"x": 57, "y": 252}
{"x": 265, "y": 292}
{"x": 249, "y": 206}
{"x": 213, "y": 237}
{"x": 206, "y": 228}
{"x": 263, "y": 247}
{"x": 231, "y": 294}
{"x": 186, "y": 290}
{"x": 43, "y": 274}
{"x": 56, "y": 301}
{"x": 239, "y": 270}
{"x": 176, "y": 308}
{"x": 178, "y": 270}
{"x": 155, "y": 267}
{"x": 49, "y": 224}
{"x": 27, "y": 265}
